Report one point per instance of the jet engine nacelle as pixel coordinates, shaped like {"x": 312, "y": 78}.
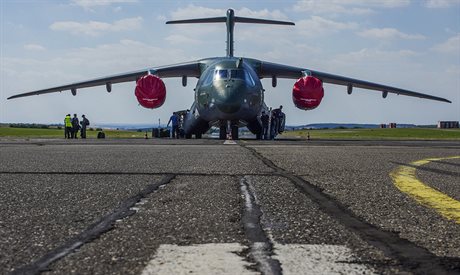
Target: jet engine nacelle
{"x": 150, "y": 91}
{"x": 307, "y": 93}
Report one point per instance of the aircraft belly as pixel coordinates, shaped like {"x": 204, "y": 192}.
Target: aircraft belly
{"x": 244, "y": 112}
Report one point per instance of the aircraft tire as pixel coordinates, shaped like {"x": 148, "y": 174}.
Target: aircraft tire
{"x": 223, "y": 132}
{"x": 198, "y": 136}
{"x": 234, "y": 132}
{"x": 188, "y": 136}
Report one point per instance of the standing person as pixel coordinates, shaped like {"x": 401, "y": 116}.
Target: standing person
{"x": 84, "y": 122}
{"x": 277, "y": 119}
{"x": 75, "y": 126}
{"x": 174, "y": 120}
{"x": 264, "y": 119}
{"x": 67, "y": 126}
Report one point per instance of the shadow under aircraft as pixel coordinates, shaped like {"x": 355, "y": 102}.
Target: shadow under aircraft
{"x": 229, "y": 93}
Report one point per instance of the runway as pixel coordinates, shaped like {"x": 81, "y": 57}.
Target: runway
{"x": 161, "y": 206}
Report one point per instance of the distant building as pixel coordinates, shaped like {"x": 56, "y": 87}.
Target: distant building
{"x": 392, "y": 125}
{"x": 447, "y": 124}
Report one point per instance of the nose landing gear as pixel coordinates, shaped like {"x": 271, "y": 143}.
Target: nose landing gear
{"x": 225, "y": 126}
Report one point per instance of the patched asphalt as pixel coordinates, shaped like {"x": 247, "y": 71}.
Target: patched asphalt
{"x": 53, "y": 191}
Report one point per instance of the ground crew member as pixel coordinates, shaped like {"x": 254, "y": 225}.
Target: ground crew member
{"x": 75, "y": 126}
{"x": 84, "y": 122}
{"x": 277, "y": 116}
{"x": 67, "y": 126}
{"x": 264, "y": 119}
{"x": 174, "y": 120}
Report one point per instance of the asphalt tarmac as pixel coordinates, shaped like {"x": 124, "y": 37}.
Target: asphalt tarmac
{"x": 161, "y": 206}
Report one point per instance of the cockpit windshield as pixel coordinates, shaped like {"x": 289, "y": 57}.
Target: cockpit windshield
{"x": 221, "y": 74}
{"x": 234, "y": 74}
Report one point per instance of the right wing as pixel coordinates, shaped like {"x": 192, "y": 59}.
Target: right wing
{"x": 268, "y": 69}
{"x": 191, "y": 69}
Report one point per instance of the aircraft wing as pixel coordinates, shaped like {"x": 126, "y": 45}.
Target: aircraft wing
{"x": 191, "y": 69}
{"x": 267, "y": 69}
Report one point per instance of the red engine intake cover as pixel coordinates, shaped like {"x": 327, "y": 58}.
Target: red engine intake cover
{"x": 150, "y": 91}
{"x": 307, "y": 93}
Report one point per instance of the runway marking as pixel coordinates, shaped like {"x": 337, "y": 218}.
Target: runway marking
{"x": 229, "y": 142}
{"x": 226, "y": 258}
{"x": 405, "y": 180}
{"x": 210, "y": 258}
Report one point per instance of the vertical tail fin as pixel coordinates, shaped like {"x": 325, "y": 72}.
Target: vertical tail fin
{"x": 230, "y": 20}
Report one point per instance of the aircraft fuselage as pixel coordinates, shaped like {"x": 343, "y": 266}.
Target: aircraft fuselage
{"x": 228, "y": 89}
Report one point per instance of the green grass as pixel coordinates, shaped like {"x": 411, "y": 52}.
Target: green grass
{"x": 403, "y": 133}
{"x": 56, "y": 133}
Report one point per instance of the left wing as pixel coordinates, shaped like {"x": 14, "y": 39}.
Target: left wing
{"x": 177, "y": 70}
{"x": 267, "y": 69}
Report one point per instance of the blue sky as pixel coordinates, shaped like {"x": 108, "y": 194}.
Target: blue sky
{"x": 409, "y": 44}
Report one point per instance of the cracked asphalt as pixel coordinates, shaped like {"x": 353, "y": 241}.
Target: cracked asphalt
{"x": 52, "y": 192}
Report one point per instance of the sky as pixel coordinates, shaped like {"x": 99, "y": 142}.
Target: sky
{"x": 410, "y": 44}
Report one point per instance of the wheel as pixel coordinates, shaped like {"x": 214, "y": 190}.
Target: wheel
{"x": 234, "y": 132}
{"x": 188, "y": 136}
{"x": 198, "y": 136}
{"x": 259, "y": 136}
{"x": 223, "y": 132}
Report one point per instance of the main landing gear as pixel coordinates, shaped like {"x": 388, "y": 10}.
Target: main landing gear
{"x": 225, "y": 126}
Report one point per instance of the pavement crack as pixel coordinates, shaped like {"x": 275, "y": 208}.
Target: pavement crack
{"x": 261, "y": 248}
{"x": 94, "y": 231}
{"x": 411, "y": 256}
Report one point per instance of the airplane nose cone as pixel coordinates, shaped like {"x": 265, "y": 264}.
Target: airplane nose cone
{"x": 229, "y": 108}
{"x": 231, "y": 98}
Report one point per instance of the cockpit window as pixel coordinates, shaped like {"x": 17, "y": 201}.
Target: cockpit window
{"x": 221, "y": 74}
{"x": 234, "y": 74}
{"x": 237, "y": 74}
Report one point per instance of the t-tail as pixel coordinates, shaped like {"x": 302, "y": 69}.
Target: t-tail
{"x": 230, "y": 20}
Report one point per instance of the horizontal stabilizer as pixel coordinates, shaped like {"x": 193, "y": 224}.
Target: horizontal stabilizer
{"x": 230, "y": 21}
{"x": 262, "y": 21}
{"x": 199, "y": 20}
{"x": 236, "y": 19}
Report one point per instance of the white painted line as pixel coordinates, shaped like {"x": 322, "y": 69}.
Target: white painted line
{"x": 222, "y": 258}
{"x": 213, "y": 258}
{"x": 228, "y": 141}
{"x": 317, "y": 259}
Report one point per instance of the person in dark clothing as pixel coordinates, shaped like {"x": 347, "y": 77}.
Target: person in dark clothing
{"x": 277, "y": 122}
{"x": 84, "y": 122}
{"x": 75, "y": 126}
{"x": 264, "y": 119}
{"x": 174, "y": 120}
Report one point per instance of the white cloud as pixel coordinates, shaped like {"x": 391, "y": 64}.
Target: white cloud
{"x": 441, "y": 3}
{"x": 452, "y": 45}
{"x": 178, "y": 39}
{"x": 34, "y": 47}
{"x": 388, "y": 33}
{"x": 317, "y": 25}
{"x": 88, "y": 4}
{"x": 95, "y": 28}
{"x": 347, "y": 6}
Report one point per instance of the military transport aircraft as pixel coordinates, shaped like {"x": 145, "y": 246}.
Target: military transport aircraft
{"x": 229, "y": 93}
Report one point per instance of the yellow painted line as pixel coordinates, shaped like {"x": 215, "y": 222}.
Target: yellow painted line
{"x": 405, "y": 180}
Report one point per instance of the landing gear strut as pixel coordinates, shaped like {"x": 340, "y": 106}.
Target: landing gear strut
{"x": 223, "y": 130}
{"x": 234, "y": 132}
